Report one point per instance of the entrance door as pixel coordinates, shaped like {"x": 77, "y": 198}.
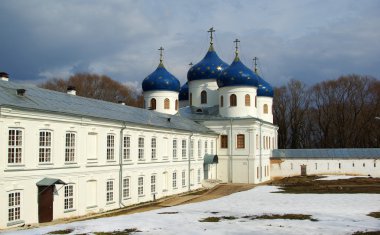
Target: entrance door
{"x": 45, "y": 203}
{"x": 303, "y": 170}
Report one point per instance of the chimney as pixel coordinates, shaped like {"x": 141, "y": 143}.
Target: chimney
{"x": 21, "y": 92}
{"x": 121, "y": 102}
{"x": 4, "y": 76}
{"x": 71, "y": 90}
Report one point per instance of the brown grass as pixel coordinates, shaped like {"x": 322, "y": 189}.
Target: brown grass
{"x": 375, "y": 214}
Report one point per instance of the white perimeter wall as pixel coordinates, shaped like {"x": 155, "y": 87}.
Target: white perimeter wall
{"x": 292, "y": 167}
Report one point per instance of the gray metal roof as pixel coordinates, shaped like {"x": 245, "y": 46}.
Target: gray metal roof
{"x": 49, "y": 182}
{"x": 210, "y": 114}
{"x": 39, "y": 99}
{"x": 365, "y": 153}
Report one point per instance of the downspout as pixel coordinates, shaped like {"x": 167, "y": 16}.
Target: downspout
{"x": 121, "y": 166}
{"x": 189, "y": 168}
{"x": 261, "y": 161}
{"x": 230, "y": 160}
{"x": 216, "y": 153}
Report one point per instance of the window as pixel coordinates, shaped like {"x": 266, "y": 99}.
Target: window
{"x": 183, "y": 178}
{"x": 255, "y": 101}
{"x": 199, "y": 176}
{"x": 14, "y": 146}
{"x": 223, "y": 141}
{"x": 176, "y": 104}
{"x": 247, "y": 100}
{"x": 14, "y": 206}
{"x": 199, "y": 148}
{"x": 70, "y": 147}
{"x": 174, "y": 180}
{"x": 353, "y": 164}
{"x": 109, "y": 191}
{"x": 316, "y": 166}
{"x": 126, "y": 187}
{"x": 265, "y": 108}
{"x": 110, "y": 147}
{"x": 153, "y": 104}
{"x": 45, "y": 146}
{"x": 192, "y": 149}
{"x": 233, "y": 100}
{"x": 184, "y": 150}
{"x": 363, "y": 164}
{"x": 203, "y": 97}
{"x": 191, "y": 99}
{"x": 69, "y": 197}
{"x": 154, "y": 145}
{"x": 153, "y": 183}
{"x": 206, "y": 147}
{"x": 166, "y": 103}
{"x": 140, "y": 186}
{"x": 127, "y": 148}
{"x": 340, "y": 166}
{"x": 221, "y": 101}
{"x": 174, "y": 149}
{"x": 141, "y": 148}
{"x": 240, "y": 143}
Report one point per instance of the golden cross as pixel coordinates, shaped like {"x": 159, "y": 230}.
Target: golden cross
{"x": 255, "y": 59}
{"x": 236, "y": 46}
{"x": 161, "y": 49}
{"x": 211, "y": 30}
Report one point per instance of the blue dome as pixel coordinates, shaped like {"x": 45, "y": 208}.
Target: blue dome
{"x": 209, "y": 67}
{"x": 264, "y": 89}
{"x": 184, "y": 92}
{"x": 237, "y": 74}
{"x": 160, "y": 80}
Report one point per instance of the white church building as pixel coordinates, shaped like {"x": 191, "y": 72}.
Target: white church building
{"x": 67, "y": 156}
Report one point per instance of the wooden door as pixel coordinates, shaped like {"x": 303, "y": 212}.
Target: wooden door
{"x": 303, "y": 170}
{"x": 45, "y": 203}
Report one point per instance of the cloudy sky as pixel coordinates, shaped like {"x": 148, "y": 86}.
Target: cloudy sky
{"x": 309, "y": 40}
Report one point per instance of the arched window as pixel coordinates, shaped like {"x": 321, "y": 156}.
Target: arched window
{"x": 176, "y": 104}
{"x": 153, "y": 104}
{"x": 233, "y": 100}
{"x": 265, "y": 108}
{"x": 221, "y": 101}
{"x": 203, "y": 97}
{"x": 191, "y": 99}
{"x": 247, "y": 100}
{"x": 166, "y": 104}
{"x": 255, "y": 101}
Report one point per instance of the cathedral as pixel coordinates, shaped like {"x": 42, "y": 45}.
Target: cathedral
{"x": 66, "y": 156}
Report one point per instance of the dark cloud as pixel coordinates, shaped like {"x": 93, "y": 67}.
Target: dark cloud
{"x": 306, "y": 40}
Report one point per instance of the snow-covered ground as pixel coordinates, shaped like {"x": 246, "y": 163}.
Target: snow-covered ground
{"x": 338, "y": 177}
{"x": 336, "y": 214}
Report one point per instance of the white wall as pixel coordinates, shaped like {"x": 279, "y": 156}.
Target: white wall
{"x": 240, "y": 110}
{"x": 160, "y": 96}
{"x": 292, "y": 167}
{"x": 261, "y": 101}
{"x": 208, "y": 85}
{"x": 23, "y": 177}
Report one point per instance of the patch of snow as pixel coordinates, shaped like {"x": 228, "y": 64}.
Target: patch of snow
{"x": 338, "y": 177}
{"x": 336, "y": 214}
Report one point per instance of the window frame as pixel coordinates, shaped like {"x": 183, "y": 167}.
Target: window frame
{"x": 175, "y": 148}
{"x": 15, "y": 146}
{"x": 110, "y": 147}
{"x": 127, "y": 187}
{"x": 183, "y": 178}
{"x": 140, "y": 186}
{"x": 68, "y": 197}
{"x": 153, "y": 181}
{"x": 70, "y": 146}
{"x": 153, "y": 104}
{"x": 45, "y": 147}
{"x": 233, "y": 100}
{"x": 184, "y": 149}
{"x": 14, "y": 206}
{"x": 110, "y": 191}
{"x": 174, "y": 180}
{"x": 223, "y": 141}
{"x": 153, "y": 145}
{"x": 203, "y": 97}
{"x": 126, "y": 147}
{"x": 247, "y": 100}
{"x": 141, "y": 146}
{"x": 166, "y": 103}
{"x": 240, "y": 141}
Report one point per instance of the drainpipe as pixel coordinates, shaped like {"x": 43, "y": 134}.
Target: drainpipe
{"x": 189, "y": 157}
{"x": 121, "y": 166}
{"x": 230, "y": 160}
{"x": 261, "y": 161}
{"x": 216, "y": 153}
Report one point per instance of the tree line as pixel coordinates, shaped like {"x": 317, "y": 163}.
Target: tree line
{"x": 96, "y": 86}
{"x": 331, "y": 114}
